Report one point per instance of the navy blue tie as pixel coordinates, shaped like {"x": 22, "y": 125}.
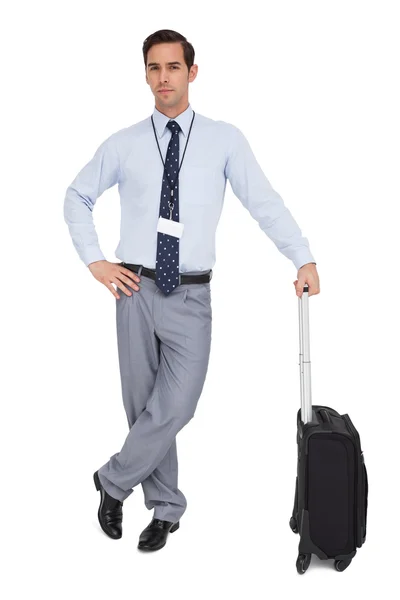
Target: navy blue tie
{"x": 167, "y": 259}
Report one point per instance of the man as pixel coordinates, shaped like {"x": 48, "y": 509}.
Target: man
{"x": 167, "y": 245}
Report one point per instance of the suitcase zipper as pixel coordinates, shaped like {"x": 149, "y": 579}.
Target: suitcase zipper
{"x": 365, "y": 500}
{"x": 325, "y": 416}
{"x": 351, "y": 428}
{"x": 360, "y": 500}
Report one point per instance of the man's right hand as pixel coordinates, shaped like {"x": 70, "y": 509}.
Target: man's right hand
{"x": 108, "y": 272}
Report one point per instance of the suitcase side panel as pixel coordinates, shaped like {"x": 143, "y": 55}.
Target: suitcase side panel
{"x": 330, "y": 493}
{"x": 331, "y": 486}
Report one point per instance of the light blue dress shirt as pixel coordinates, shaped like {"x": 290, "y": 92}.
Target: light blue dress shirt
{"x": 216, "y": 151}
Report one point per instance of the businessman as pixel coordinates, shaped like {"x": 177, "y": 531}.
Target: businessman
{"x": 171, "y": 169}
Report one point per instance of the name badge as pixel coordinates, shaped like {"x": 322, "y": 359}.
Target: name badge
{"x": 174, "y": 228}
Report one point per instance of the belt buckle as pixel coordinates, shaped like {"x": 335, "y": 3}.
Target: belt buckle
{"x": 211, "y": 274}
{"x": 179, "y": 279}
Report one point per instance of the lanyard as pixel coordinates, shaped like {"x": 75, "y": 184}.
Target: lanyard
{"x": 171, "y": 204}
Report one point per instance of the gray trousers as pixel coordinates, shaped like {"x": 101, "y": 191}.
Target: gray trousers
{"x": 163, "y": 346}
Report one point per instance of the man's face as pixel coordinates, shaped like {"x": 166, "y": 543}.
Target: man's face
{"x": 166, "y": 69}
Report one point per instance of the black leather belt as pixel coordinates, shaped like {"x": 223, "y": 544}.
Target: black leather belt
{"x": 140, "y": 270}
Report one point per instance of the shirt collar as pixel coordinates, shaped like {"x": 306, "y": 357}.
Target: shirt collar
{"x": 184, "y": 119}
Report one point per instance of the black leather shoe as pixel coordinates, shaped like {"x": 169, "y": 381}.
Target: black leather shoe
{"x": 110, "y": 511}
{"x": 155, "y": 535}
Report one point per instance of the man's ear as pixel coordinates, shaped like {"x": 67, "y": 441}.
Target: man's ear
{"x": 193, "y": 72}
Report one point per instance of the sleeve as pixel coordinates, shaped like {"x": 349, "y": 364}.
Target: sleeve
{"x": 265, "y": 205}
{"x": 99, "y": 174}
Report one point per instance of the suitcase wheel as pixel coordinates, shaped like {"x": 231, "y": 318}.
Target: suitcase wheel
{"x": 341, "y": 565}
{"x": 303, "y": 562}
{"x": 293, "y": 525}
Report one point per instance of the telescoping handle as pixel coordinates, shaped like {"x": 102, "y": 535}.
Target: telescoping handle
{"x": 304, "y": 357}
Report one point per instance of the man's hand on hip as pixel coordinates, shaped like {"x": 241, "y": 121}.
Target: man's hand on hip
{"x": 108, "y": 273}
{"x": 307, "y": 274}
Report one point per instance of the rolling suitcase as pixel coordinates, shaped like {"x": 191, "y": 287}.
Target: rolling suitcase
{"x": 331, "y": 497}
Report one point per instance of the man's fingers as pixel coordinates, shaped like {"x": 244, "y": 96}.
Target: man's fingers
{"x": 125, "y": 289}
{"x": 110, "y": 287}
{"x": 130, "y": 275}
{"x": 128, "y": 281}
{"x": 299, "y": 288}
{"x": 312, "y": 291}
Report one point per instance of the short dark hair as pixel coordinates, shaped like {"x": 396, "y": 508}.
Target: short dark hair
{"x": 168, "y": 35}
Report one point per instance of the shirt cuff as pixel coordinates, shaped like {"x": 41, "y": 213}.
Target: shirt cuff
{"x": 92, "y": 254}
{"x": 303, "y": 257}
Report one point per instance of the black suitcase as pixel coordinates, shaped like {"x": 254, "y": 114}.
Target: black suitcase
{"x": 331, "y": 497}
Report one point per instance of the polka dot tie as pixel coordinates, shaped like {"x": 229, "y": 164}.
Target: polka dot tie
{"x": 167, "y": 259}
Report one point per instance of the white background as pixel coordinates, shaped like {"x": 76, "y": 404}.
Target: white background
{"x": 314, "y": 87}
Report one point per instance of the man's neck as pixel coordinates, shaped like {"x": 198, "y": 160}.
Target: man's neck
{"x": 172, "y": 112}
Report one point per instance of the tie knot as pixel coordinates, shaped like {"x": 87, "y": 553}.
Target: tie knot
{"x": 173, "y": 126}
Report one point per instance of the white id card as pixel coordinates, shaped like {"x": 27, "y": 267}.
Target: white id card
{"x": 174, "y": 228}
